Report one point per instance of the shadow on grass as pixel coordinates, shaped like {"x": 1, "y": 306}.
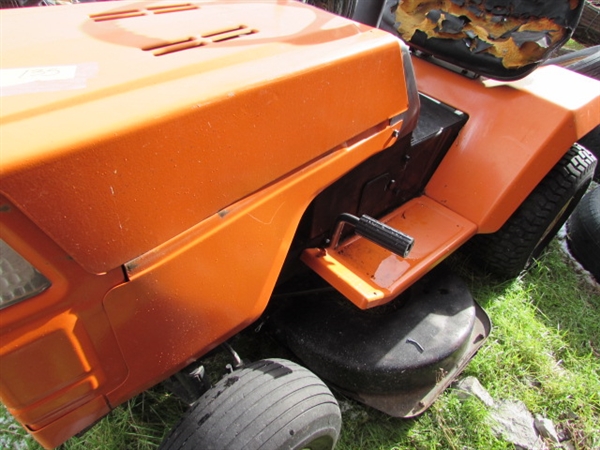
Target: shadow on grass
{"x": 563, "y": 298}
{"x": 566, "y": 302}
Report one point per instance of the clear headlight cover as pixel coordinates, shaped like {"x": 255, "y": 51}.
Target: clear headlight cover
{"x": 18, "y": 279}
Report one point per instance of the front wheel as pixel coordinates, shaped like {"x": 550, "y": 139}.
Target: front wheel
{"x": 270, "y": 404}
{"x": 513, "y": 248}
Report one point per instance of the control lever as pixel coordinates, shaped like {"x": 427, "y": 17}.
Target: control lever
{"x": 375, "y": 231}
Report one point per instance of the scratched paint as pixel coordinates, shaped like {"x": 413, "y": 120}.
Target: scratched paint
{"x": 389, "y": 270}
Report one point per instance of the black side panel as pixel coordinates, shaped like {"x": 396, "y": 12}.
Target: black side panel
{"x": 393, "y": 176}
{"x": 383, "y": 182}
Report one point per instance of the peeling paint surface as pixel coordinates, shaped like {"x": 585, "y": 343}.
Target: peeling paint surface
{"x": 517, "y": 33}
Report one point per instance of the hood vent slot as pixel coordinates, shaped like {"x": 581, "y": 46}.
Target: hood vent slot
{"x": 165, "y": 48}
{"x": 124, "y": 14}
{"x": 228, "y": 33}
{"x": 128, "y": 13}
{"x": 163, "y": 9}
{"x": 212, "y": 37}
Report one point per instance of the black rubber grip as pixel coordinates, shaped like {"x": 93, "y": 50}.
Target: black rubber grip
{"x": 389, "y": 238}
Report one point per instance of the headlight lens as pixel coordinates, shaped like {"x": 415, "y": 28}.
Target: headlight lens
{"x": 18, "y": 279}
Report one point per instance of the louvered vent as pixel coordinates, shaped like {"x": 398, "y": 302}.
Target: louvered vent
{"x": 126, "y": 13}
{"x": 224, "y": 34}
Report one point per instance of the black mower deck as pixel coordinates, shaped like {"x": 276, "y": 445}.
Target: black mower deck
{"x": 396, "y": 358}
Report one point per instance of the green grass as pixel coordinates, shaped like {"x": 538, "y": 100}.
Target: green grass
{"x": 544, "y": 350}
{"x": 574, "y": 45}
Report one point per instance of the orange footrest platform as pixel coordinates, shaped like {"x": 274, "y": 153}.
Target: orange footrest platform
{"x": 369, "y": 275}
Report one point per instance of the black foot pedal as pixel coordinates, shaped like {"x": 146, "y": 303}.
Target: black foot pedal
{"x": 375, "y": 231}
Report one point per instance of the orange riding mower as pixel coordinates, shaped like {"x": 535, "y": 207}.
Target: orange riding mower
{"x": 172, "y": 173}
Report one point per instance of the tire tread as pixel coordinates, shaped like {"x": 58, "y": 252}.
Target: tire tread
{"x": 262, "y": 406}
{"x": 512, "y": 249}
{"x": 583, "y": 232}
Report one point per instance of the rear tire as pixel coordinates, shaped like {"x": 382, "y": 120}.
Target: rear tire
{"x": 585, "y": 62}
{"x": 270, "y": 404}
{"x": 344, "y": 8}
{"x": 583, "y": 232}
{"x": 514, "y": 247}
{"x": 591, "y": 141}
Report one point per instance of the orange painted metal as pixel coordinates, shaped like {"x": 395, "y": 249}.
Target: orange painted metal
{"x": 160, "y": 190}
{"x": 515, "y": 134}
{"x": 182, "y": 299}
{"x": 58, "y": 352}
{"x": 155, "y": 170}
{"x": 212, "y": 281}
{"x": 71, "y": 423}
{"x": 369, "y": 275}
{"x": 151, "y": 145}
